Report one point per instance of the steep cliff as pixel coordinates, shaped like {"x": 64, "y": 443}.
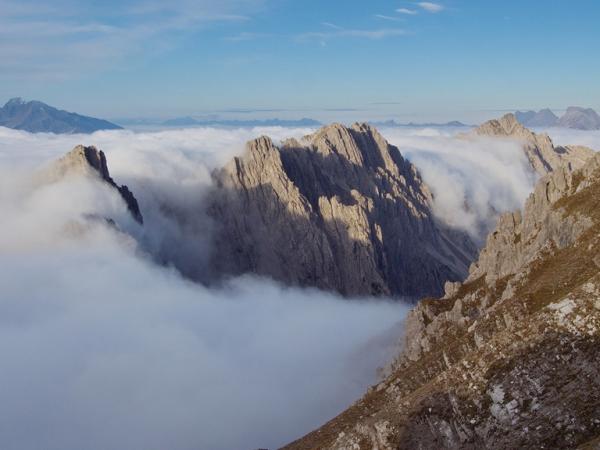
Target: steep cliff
{"x": 340, "y": 210}
{"x": 508, "y": 359}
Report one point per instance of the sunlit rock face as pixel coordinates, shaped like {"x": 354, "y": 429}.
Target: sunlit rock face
{"x": 340, "y": 209}
{"x": 89, "y": 162}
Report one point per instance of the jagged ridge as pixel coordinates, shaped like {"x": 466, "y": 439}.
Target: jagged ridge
{"x": 340, "y": 210}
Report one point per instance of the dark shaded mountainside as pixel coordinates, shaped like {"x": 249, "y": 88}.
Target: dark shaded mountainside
{"x": 37, "y": 117}
{"x": 508, "y": 359}
{"x": 340, "y": 210}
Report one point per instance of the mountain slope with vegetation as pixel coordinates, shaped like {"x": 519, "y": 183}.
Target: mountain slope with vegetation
{"x": 509, "y": 358}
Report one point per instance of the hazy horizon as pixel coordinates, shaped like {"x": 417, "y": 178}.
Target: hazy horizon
{"x": 327, "y": 115}
{"x": 422, "y": 61}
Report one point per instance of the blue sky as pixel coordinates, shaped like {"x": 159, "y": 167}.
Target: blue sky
{"x": 404, "y": 59}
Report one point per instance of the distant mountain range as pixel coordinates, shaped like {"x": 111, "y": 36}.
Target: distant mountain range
{"x": 38, "y": 117}
{"x": 215, "y": 122}
{"x": 393, "y": 123}
{"x": 575, "y": 117}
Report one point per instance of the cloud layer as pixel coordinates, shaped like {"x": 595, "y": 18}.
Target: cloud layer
{"x": 473, "y": 180}
{"x": 103, "y": 348}
{"x": 566, "y": 136}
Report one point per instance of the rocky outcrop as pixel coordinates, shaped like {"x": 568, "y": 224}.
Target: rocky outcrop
{"x": 541, "y": 153}
{"x": 580, "y": 119}
{"x": 510, "y": 357}
{"x": 89, "y": 161}
{"x": 340, "y": 210}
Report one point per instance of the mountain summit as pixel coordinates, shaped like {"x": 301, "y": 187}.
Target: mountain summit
{"x": 580, "y": 118}
{"x": 89, "y": 162}
{"x": 38, "y": 117}
{"x": 340, "y": 209}
{"x": 543, "y": 156}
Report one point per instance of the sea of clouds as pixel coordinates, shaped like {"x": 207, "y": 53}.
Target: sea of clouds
{"x": 102, "y": 347}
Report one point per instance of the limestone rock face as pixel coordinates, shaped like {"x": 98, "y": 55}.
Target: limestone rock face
{"x": 520, "y": 236}
{"x": 89, "y": 161}
{"x": 543, "y": 156}
{"x": 510, "y": 357}
{"x": 340, "y": 210}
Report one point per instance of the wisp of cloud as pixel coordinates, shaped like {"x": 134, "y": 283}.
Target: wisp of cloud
{"x": 472, "y": 180}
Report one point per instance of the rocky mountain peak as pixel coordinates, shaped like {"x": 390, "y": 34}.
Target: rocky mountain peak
{"x": 339, "y": 209}
{"x": 87, "y": 158}
{"x": 507, "y": 125}
{"x": 89, "y": 161}
{"x": 542, "y": 118}
{"x": 580, "y": 118}
{"x": 539, "y": 149}
{"x": 361, "y": 144}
